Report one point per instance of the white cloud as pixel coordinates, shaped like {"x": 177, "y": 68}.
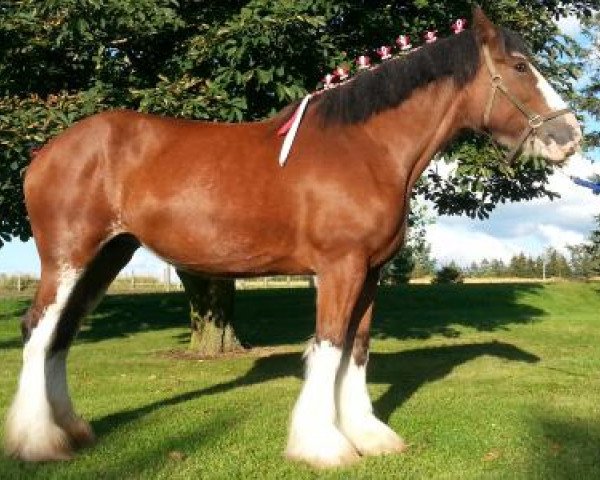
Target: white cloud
{"x": 451, "y": 241}
{"x": 528, "y": 227}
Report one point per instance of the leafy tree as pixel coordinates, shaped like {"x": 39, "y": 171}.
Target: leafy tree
{"x": 451, "y": 273}
{"x": 498, "y": 268}
{"x": 589, "y": 101}
{"x": 473, "y": 270}
{"x": 585, "y": 257}
{"x": 518, "y": 266}
{"x": 399, "y": 269}
{"x": 485, "y": 268}
{"x": 414, "y": 259}
{"x": 557, "y": 264}
{"x": 61, "y": 60}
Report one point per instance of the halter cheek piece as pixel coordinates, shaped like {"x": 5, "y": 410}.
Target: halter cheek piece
{"x": 535, "y": 120}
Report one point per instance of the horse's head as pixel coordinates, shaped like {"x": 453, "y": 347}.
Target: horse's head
{"x": 514, "y": 103}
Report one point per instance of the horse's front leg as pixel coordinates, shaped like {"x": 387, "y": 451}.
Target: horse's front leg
{"x": 314, "y": 436}
{"x": 367, "y": 433}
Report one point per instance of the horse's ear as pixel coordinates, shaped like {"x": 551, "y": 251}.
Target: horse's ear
{"x": 486, "y": 32}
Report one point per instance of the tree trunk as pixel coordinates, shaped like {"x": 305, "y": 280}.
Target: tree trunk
{"x": 211, "y": 314}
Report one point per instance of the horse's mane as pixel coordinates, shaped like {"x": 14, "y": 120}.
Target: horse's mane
{"x": 393, "y": 81}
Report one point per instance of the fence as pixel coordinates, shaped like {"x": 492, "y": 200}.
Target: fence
{"x": 21, "y": 284}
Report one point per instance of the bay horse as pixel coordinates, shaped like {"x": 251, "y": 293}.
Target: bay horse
{"x": 211, "y": 198}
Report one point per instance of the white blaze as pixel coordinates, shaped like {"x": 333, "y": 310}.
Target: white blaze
{"x": 553, "y": 99}
{"x": 547, "y": 146}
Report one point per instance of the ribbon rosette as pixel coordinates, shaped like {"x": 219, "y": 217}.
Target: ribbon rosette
{"x": 384, "y": 52}
{"x": 459, "y": 25}
{"x": 363, "y": 62}
{"x": 403, "y": 42}
{"x": 430, "y": 36}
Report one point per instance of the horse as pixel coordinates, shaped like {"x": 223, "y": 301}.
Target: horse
{"x": 211, "y": 198}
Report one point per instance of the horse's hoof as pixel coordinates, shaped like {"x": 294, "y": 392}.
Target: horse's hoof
{"x": 373, "y": 437}
{"x": 81, "y": 433}
{"x": 325, "y": 449}
{"x": 48, "y": 444}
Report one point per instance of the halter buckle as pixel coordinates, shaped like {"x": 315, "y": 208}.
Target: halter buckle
{"x": 496, "y": 80}
{"x": 536, "y": 121}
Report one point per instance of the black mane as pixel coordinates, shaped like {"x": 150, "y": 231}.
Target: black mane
{"x": 392, "y": 82}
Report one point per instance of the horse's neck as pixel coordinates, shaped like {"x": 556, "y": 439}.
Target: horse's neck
{"x": 416, "y": 130}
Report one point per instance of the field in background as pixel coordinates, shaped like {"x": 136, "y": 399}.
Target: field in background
{"x": 483, "y": 381}
{"x": 25, "y": 285}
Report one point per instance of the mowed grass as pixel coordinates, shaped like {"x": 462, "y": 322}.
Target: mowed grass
{"x": 483, "y": 381}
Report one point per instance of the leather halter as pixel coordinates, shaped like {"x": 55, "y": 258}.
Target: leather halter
{"x": 534, "y": 120}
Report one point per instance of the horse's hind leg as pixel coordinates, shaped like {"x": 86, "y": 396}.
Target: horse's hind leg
{"x": 356, "y": 420}
{"x": 31, "y": 432}
{"x": 41, "y": 423}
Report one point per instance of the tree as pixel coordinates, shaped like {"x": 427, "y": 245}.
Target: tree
{"x": 414, "y": 258}
{"x": 398, "y": 270}
{"x": 451, "y": 273}
{"x": 585, "y": 257}
{"x": 556, "y": 264}
{"x": 211, "y": 314}
{"x": 518, "y": 265}
{"x": 61, "y": 60}
{"x": 590, "y": 100}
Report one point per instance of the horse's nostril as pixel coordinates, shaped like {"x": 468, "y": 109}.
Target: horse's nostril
{"x": 570, "y": 148}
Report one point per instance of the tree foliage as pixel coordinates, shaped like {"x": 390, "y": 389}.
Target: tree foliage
{"x": 585, "y": 257}
{"x": 61, "y": 60}
{"x": 414, "y": 259}
{"x": 589, "y": 101}
{"x": 451, "y": 273}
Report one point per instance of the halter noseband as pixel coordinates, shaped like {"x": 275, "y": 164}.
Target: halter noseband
{"x": 534, "y": 120}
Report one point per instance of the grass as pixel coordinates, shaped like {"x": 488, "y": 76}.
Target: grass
{"x": 483, "y": 381}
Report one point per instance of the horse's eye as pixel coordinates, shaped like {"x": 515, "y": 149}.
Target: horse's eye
{"x": 521, "y": 67}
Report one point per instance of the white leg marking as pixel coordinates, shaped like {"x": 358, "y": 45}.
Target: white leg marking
{"x": 31, "y": 430}
{"x": 369, "y": 435}
{"x": 314, "y": 438}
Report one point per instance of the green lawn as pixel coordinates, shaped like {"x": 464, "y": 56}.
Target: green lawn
{"x": 483, "y": 381}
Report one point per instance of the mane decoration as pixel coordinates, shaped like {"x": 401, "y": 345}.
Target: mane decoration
{"x": 343, "y": 74}
{"x": 403, "y": 47}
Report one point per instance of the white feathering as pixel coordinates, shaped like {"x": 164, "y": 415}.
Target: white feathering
{"x": 291, "y": 134}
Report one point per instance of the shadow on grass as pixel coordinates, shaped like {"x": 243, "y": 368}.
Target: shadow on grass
{"x": 275, "y": 317}
{"x": 127, "y": 314}
{"x": 405, "y": 372}
{"x": 569, "y": 449}
{"x": 10, "y": 319}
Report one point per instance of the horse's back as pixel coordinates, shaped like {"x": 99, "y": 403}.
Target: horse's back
{"x": 177, "y": 185}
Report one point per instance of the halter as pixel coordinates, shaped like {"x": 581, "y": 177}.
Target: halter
{"x": 534, "y": 120}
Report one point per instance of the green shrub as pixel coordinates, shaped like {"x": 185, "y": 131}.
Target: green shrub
{"x": 449, "y": 274}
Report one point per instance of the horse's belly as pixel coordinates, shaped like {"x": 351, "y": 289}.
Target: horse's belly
{"x": 224, "y": 246}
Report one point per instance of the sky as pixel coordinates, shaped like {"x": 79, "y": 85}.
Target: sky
{"x": 529, "y": 227}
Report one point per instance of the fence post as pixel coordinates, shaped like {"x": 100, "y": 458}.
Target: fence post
{"x": 168, "y": 278}
{"x": 18, "y": 282}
